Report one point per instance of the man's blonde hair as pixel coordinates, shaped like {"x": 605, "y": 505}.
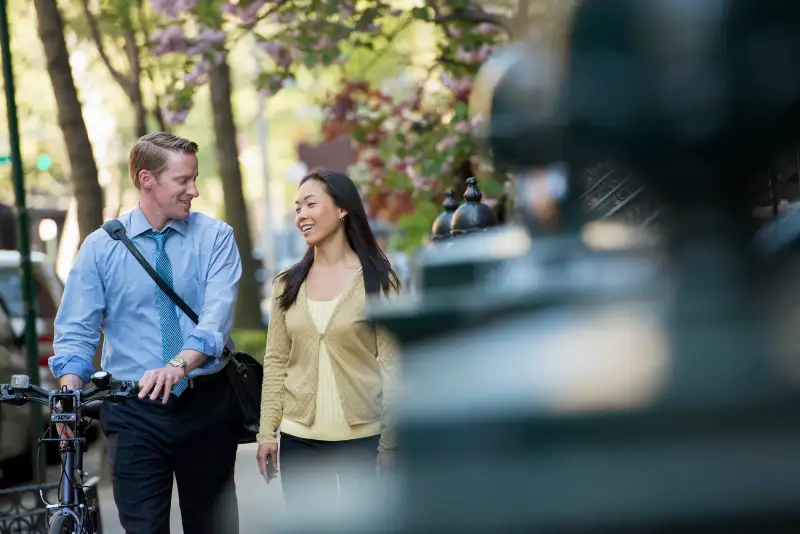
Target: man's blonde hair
{"x": 151, "y": 151}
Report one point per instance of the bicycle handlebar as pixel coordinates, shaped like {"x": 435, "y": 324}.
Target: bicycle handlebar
{"x": 20, "y": 391}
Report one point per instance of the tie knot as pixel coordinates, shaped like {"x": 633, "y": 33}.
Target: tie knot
{"x": 159, "y": 237}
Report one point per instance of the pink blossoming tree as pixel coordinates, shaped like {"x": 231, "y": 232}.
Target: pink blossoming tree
{"x": 194, "y": 32}
{"x": 411, "y": 148}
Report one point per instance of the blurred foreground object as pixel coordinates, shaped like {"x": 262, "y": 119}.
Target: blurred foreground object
{"x": 568, "y": 376}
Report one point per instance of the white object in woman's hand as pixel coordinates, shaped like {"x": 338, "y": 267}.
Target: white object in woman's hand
{"x": 385, "y": 462}
{"x": 267, "y": 452}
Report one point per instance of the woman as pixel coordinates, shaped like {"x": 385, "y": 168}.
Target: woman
{"x": 326, "y": 369}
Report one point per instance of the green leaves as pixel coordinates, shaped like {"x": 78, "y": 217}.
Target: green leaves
{"x": 413, "y": 139}
{"x": 367, "y": 18}
{"x": 416, "y": 226}
{"x": 461, "y": 111}
{"x": 209, "y": 13}
{"x": 421, "y": 13}
{"x": 116, "y": 13}
{"x": 311, "y": 59}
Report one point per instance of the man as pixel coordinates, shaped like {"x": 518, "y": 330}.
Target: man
{"x": 186, "y": 420}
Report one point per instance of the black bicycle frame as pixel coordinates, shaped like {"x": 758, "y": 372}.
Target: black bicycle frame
{"x": 73, "y": 457}
{"x": 73, "y": 450}
{"x": 65, "y": 407}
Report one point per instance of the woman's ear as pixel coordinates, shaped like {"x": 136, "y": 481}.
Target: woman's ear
{"x": 342, "y": 214}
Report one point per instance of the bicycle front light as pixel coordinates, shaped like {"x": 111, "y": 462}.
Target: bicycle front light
{"x": 20, "y": 381}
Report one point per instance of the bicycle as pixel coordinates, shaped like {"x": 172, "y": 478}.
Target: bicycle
{"x": 72, "y": 514}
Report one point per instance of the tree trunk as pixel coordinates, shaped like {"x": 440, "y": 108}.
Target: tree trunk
{"x": 141, "y": 118}
{"x": 87, "y": 190}
{"x": 162, "y": 123}
{"x": 248, "y": 308}
{"x": 135, "y": 84}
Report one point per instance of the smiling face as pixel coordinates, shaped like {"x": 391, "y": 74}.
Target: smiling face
{"x": 316, "y": 214}
{"x": 173, "y": 190}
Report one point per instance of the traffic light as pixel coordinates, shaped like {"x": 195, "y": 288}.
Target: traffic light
{"x": 44, "y": 162}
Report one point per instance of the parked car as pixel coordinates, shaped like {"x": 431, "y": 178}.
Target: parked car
{"x": 15, "y": 453}
{"x": 48, "y": 289}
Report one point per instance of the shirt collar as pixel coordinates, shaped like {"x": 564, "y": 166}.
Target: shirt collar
{"x": 140, "y": 225}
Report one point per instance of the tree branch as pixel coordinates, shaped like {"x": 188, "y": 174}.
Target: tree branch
{"x": 269, "y": 12}
{"x": 148, "y": 70}
{"x": 438, "y": 15}
{"x": 247, "y": 28}
{"x": 162, "y": 123}
{"x": 456, "y": 63}
{"x": 390, "y": 38}
{"x": 132, "y": 48}
{"x": 476, "y": 16}
{"x": 98, "y": 39}
{"x": 417, "y": 102}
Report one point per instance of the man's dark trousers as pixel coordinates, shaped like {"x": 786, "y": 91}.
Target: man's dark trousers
{"x": 194, "y": 436}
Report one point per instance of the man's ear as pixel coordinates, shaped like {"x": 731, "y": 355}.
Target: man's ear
{"x": 146, "y": 179}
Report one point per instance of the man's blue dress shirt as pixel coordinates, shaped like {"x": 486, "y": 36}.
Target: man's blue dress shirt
{"x": 107, "y": 289}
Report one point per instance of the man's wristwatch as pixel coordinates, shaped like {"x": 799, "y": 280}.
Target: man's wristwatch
{"x": 177, "y": 361}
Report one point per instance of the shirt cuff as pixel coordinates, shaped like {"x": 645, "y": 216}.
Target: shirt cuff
{"x": 71, "y": 365}
{"x": 202, "y": 341}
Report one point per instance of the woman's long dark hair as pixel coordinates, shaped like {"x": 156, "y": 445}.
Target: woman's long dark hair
{"x": 379, "y": 277}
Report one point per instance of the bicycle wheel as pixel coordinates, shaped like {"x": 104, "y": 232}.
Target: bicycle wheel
{"x": 62, "y": 524}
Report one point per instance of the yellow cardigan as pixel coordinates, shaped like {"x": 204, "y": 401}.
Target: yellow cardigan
{"x": 363, "y": 359}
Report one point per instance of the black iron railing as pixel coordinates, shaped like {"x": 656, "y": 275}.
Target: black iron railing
{"x": 22, "y": 510}
{"x": 613, "y": 193}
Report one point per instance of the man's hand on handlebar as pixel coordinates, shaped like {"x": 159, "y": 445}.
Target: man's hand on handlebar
{"x": 72, "y": 383}
{"x": 159, "y": 381}
{"x": 68, "y": 399}
{"x": 64, "y": 431}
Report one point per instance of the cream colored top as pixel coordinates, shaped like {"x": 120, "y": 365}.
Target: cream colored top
{"x": 330, "y": 423}
{"x": 364, "y": 358}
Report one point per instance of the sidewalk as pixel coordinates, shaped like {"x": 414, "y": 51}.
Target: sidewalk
{"x": 257, "y": 500}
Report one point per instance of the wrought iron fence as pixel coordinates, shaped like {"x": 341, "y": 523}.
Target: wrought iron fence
{"x": 22, "y": 510}
{"x": 613, "y": 193}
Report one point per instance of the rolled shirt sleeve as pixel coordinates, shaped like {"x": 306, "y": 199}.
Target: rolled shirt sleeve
{"x": 77, "y": 324}
{"x": 216, "y": 318}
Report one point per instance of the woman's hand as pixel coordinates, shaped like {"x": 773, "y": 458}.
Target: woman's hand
{"x": 267, "y": 450}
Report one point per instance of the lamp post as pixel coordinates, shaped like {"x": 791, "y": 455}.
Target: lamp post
{"x": 22, "y": 223}
{"x": 268, "y": 219}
